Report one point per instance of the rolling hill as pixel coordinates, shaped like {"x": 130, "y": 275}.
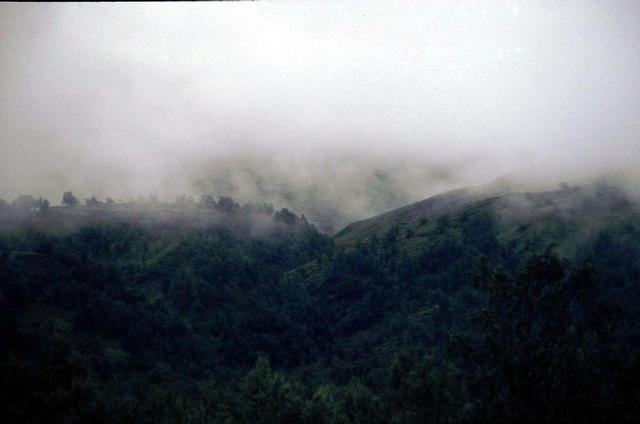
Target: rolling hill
{"x": 471, "y": 305}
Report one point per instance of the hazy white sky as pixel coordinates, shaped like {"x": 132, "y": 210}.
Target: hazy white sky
{"x": 126, "y": 98}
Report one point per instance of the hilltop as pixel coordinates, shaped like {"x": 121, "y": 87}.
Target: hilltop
{"x": 182, "y": 216}
{"x": 587, "y": 206}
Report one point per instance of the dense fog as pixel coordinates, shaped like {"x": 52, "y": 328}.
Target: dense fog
{"x": 357, "y": 108}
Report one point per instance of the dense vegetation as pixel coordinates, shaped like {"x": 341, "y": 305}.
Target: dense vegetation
{"x": 471, "y": 315}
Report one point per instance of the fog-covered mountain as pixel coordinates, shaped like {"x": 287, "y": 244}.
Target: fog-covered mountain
{"x": 476, "y": 304}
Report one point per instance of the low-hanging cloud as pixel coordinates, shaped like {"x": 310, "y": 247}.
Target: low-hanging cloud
{"x": 353, "y": 107}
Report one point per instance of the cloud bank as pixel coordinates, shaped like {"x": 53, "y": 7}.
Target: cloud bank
{"x": 357, "y": 107}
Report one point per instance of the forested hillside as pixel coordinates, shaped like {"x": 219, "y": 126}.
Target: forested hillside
{"x": 520, "y": 306}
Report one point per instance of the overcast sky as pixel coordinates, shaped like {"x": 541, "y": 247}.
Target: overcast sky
{"x": 119, "y": 99}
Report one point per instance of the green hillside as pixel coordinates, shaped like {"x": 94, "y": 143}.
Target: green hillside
{"x": 468, "y": 306}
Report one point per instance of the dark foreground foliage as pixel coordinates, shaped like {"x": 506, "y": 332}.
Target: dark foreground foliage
{"x": 453, "y": 319}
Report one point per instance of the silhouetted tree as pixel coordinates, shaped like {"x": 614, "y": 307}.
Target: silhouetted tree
{"x": 44, "y": 205}
{"x": 226, "y": 204}
{"x": 92, "y": 201}
{"x": 68, "y": 199}
{"x": 207, "y": 202}
{"x": 286, "y": 217}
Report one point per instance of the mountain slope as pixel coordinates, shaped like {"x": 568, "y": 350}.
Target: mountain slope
{"x": 457, "y": 308}
{"x": 589, "y": 204}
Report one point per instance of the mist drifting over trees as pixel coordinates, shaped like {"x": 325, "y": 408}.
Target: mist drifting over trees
{"x": 361, "y": 108}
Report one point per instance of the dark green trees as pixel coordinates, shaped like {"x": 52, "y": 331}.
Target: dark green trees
{"x": 127, "y": 323}
{"x": 547, "y": 347}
